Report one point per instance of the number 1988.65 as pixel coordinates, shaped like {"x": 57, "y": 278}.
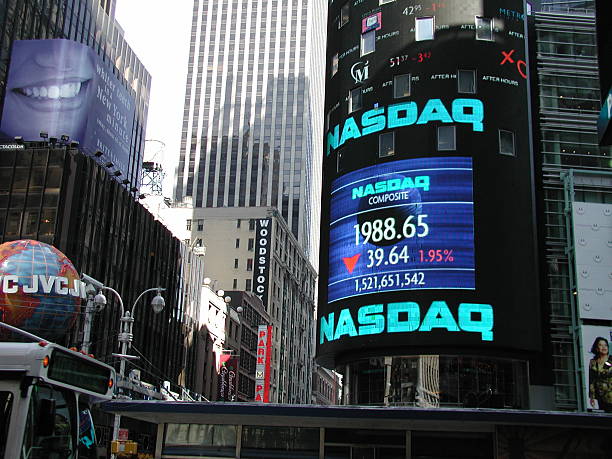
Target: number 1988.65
{"x": 384, "y": 230}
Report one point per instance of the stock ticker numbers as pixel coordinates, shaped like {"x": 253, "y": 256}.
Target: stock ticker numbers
{"x": 419, "y": 9}
{"x": 402, "y": 225}
{"x": 418, "y": 58}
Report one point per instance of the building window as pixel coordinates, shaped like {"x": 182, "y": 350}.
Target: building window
{"x": 424, "y": 28}
{"x": 188, "y": 225}
{"x": 251, "y": 244}
{"x": 340, "y": 160}
{"x": 251, "y": 225}
{"x": 355, "y": 100}
{"x": 334, "y": 69}
{"x": 249, "y": 264}
{"x": 235, "y": 263}
{"x": 386, "y": 144}
{"x": 506, "y": 143}
{"x": 401, "y": 85}
{"x": 344, "y": 15}
{"x": 446, "y": 138}
{"x": 484, "y": 28}
{"x": 368, "y": 42}
{"x": 466, "y": 81}
{"x": 237, "y": 243}
{"x": 235, "y": 284}
{"x": 247, "y": 285}
{"x": 238, "y": 223}
{"x": 200, "y": 225}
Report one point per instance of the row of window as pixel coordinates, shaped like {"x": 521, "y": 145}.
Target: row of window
{"x": 200, "y": 225}
{"x": 424, "y": 29}
{"x": 466, "y": 84}
{"x": 446, "y": 141}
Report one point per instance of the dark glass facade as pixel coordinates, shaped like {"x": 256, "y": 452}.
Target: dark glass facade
{"x": 64, "y": 198}
{"x": 568, "y": 101}
{"x": 437, "y": 380}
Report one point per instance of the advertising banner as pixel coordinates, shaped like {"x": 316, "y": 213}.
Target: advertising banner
{"x": 262, "y": 367}
{"x": 228, "y": 378}
{"x": 261, "y": 270}
{"x": 597, "y": 367}
{"x": 62, "y": 87}
{"x": 593, "y": 256}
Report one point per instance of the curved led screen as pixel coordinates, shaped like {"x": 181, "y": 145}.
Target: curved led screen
{"x": 428, "y": 236}
{"x": 402, "y": 225}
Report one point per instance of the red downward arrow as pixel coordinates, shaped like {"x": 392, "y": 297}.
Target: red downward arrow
{"x": 350, "y": 262}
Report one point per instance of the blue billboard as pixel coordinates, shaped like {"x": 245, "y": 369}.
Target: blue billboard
{"x": 402, "y": 225}
{"x": 62, "y": 87}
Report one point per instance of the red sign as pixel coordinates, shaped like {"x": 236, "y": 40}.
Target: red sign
{"x": 123, "y": 435}
{"x": 228, "y": 378}
{"x": 262, "y": 367}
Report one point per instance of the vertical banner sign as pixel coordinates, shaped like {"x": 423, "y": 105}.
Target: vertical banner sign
{"x": 267, "y": 368}
{"x": 261, "y": 275}
{"x": 262, "y": 368}
{"x": 597, "y": 364}
{"x": 228, "y": 378}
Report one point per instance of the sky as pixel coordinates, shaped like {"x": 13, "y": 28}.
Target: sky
{"x": 158, "y": 31}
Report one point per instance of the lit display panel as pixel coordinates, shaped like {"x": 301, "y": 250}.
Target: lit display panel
{"x": 402, "y": 225}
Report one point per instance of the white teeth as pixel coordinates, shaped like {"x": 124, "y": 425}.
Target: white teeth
{"x": 54, "y": 92}
{"x": 65, "y": 91}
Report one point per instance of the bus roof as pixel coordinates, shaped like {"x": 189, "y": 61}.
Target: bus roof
{"x": 27, "y": 359}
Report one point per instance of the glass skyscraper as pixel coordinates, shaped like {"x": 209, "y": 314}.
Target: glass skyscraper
{"x": 249, "y": 135}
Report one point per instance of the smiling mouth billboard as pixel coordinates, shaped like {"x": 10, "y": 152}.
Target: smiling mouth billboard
{"x": 62, "y": 87}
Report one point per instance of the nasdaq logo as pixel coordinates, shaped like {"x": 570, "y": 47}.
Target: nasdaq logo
{"x": 396, "y": 184}
{"x": 405, "y": 317}
{"x": 468, "y": 111}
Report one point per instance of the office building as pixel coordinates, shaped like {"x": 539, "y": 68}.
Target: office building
{"x": 253, "y": 250}
{"x": 252, "y": 109}
{"x": 252, "y": 315}
{"x": 576, "y": 190}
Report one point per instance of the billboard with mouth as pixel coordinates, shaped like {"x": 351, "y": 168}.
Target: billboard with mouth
{"x": 61, "y": 87}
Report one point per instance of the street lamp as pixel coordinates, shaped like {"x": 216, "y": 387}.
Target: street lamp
{"x": 125, "y": 334}
{"x": 126, "y": 324}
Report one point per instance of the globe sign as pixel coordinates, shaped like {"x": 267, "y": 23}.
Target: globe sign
{"x": 40, "y": 290}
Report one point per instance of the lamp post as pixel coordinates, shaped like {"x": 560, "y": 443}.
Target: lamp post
{"x": 125, "y": 327}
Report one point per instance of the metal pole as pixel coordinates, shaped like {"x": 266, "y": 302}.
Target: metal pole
{"x": 89, "y": 313}
{"x": 122, "y": 364}
{"x": 124, "y": 338}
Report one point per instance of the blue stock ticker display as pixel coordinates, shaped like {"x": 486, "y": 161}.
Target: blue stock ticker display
{"x": 402, "y": 225}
